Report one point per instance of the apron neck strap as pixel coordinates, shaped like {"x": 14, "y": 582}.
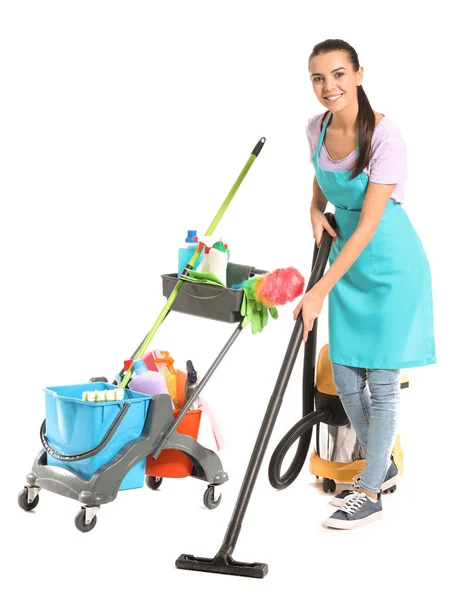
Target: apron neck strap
{"x": 323, "y": 133}
{"x": 321, "y": 137}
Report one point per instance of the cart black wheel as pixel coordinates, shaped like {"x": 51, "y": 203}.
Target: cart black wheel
{"x": 153, "y": 482}
{"x": 80, "y": 521}
{"x": 23, "y": 500}
{"x": 209, "y": 498}
{"x": 329, "y": 486}
{"x": 390, "y": 490}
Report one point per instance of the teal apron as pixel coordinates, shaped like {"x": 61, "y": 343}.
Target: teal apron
{"x": 380, "y": 311}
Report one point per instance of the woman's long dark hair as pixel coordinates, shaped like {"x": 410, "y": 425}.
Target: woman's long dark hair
{"x": 366, "y": 121}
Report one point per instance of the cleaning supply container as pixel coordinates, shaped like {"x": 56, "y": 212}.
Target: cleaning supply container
{"x": 211, "y": 301}
{"x": 74, "y": 426}
{"x": 174, "y": 463}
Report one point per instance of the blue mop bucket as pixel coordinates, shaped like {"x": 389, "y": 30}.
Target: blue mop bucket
{"x": 74, "y": 426}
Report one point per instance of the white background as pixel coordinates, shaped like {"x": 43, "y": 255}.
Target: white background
{"x": 123, "y": 124}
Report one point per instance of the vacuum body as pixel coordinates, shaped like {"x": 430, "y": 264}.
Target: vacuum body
{"x": 338, "y": 455}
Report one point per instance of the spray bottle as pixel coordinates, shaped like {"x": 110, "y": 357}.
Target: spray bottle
{"x": 219, "y": 256}
{"x": 216, "y": 256}
{"x": 191, "y": 384}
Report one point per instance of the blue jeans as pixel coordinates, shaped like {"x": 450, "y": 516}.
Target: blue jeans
{"x": 373, "y": 411}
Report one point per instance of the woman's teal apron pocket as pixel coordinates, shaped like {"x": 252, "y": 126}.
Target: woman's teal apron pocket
{"x": 394, "y": 246}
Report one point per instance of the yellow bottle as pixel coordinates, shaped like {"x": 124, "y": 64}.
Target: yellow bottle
{"x": 165, "y": 365}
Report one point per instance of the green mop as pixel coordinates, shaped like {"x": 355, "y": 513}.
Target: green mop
{"x": 118, "y": 394}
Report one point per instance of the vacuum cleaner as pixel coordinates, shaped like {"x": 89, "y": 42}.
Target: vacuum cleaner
{"x": 338, "y": 455}
{"x": 329, "y": 413}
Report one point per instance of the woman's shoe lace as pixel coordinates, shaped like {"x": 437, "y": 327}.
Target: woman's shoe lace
{"x": 354, "y": 503}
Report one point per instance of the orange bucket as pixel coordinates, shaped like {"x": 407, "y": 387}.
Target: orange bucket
{"x": 174, "y": 463}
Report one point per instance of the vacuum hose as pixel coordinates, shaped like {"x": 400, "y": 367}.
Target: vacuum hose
{"x": 302, "y": 430}
{"x": 276, "y": 479}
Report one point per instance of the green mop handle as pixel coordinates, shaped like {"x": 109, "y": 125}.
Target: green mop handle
{"x": 140, "y": 353}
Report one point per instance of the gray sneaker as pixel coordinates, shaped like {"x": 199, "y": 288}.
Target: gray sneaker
{"x": 388, "y": 485}
{"x": 358, "y": 510}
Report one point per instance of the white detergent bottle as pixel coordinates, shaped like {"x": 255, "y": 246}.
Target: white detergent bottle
{"x": 218, "y": 264}
{"x": 204, "y": 266}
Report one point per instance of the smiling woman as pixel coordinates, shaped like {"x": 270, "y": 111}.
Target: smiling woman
{"x": 342, "y": 86}
{"x": 379, "y": 283}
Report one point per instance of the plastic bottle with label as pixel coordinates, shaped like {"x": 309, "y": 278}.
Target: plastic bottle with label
{"x": 165, "y": 365}
{"x": 218, "y": 264}
{"x": 147, "y": 382}
{"x": 187, "y": 251}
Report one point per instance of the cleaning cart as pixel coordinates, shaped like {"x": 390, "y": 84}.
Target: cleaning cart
{"x": 97, "y": 437}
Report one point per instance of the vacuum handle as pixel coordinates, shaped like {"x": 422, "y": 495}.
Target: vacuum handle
{"x": 331, "y": 218}
{"x": 321, "y": 254}
{"x": 73, "y": 457}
